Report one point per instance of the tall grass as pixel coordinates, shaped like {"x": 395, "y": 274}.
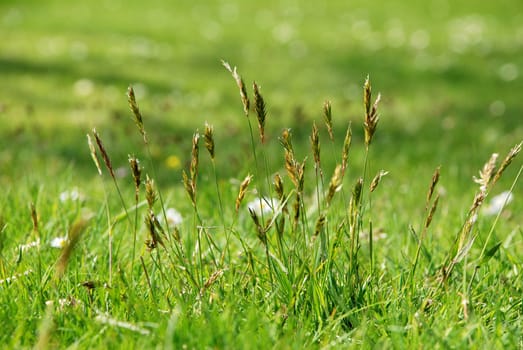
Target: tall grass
{"x": 307, "y": 259}
{"x": 294, "y": 255}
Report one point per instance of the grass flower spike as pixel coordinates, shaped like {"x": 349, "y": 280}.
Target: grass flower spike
{"x": 241, "y": 86}
{"x": 371, "y": 112}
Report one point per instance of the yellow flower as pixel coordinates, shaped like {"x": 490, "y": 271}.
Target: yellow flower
{"x": 173, "y": 162}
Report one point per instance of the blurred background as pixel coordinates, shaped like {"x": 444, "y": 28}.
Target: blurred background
{"x": 450, "y": 74}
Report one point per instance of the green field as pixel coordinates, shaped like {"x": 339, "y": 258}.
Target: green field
{"x": 326, "y": 263}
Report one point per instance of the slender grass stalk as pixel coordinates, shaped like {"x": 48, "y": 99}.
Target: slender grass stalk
{"x": 46, "y": 328}
{"x": 94, "y": 156}
{"x": 148, "y": 280}
{"x": 370, "y": 124}
{"x": 210, "y": 145}
{"x": 141, "y": 128}
{"x": 136, "y": 172}
{"x": 261, "y": 114}
{"x": 430, "y": 209}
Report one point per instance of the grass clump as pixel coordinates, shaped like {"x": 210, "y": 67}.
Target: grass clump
{"x": 295, "y": 266}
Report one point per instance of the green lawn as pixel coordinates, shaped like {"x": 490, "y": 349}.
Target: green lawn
{"x": 450, "y": 78}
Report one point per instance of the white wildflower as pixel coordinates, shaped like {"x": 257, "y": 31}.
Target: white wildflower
{"x": 263, "y": 205}
{"x": 27, "y": 246}
{"x": 15, "y": 277}
{"x": 72, "y": 195}
{"x": 497, "y": 203}
{"x": 174, "y": 218}
{"x": 105, "y": 319}
{"x": 58, "y": 242}
{"x": 65, "y": 302}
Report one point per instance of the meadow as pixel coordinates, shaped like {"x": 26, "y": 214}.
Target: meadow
{"x": 276, "y": 175}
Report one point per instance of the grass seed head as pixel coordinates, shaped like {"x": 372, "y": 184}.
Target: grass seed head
{"x": 261, "y": 113}
{"x": 315, "y": 143}
{"x": 189, "y": 187}
{"x": 136, "y": 111}
{"x": 261, "y": 232}
{"x": 34, "y": 219}
{"x": 486, "y": 173}
{"x": 241, "y": 86}
{"x": 154, "y": 236}
{"x": 92, "y": 150}
{"x": 335, "y": 183}
{"x": 356, "y": 191}
{"x": 243, "y": 189}
{"x": 433, "y": 183}
{"x": 136, "y": 172}
{"x": 286, "y": 140}
{"x": 297, "y": 209}
{"x": 300, "y": 175}
{"x": 371, "y": 113}
{"x": 212, "y": 279}
{"x": 377, "y": 179}
{"x": 208, "y": 137}
{"x": 194, "y": 159}
{"x": 327, "y": 116}
{"x": 506, "y": 162}
{"x": 150, "y": 192}
{"x": 346, "y": 148}
{"x": 278, "y": 186}
{"x": 367, "y": 95}
{"x": 319, "y": 225}
{"x": 104, "y": 154}
{"x": 432, "y": 212}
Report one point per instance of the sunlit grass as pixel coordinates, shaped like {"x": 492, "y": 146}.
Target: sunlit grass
{"x": 450, "y": 76}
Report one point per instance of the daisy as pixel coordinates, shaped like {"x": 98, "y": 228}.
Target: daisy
{"x": 58, "y": 242}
